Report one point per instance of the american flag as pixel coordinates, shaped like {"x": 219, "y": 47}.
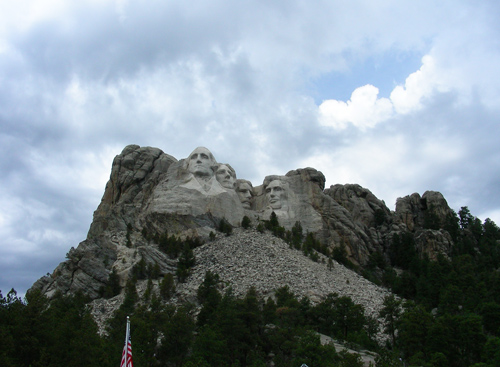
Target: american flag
{"x": 127, "y": 349}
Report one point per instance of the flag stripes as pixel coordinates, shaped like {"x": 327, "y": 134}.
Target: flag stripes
{"x": 127, "y": 348}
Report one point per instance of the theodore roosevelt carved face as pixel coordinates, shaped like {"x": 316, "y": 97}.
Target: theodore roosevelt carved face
{"x": 276, "y": 194}
{"x": 226, "y": 176}
{"x": 244, "y": 190}
{"x": 201, "y": 162}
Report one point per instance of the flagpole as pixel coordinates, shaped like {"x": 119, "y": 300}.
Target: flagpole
{"x": 126, "y": 356}
{"x": 127, "y": 337}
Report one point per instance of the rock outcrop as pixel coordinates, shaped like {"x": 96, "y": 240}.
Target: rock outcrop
{"x": 152, "y": 195}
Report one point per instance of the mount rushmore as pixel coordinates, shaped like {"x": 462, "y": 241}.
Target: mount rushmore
{"x": 151, "y": 193}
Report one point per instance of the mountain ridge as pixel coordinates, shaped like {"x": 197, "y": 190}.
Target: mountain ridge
{"x": 128, "y": 225}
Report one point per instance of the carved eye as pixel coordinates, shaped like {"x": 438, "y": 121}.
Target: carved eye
{"x": 204, "y": 156}
{"x": 277, "y": 188}
{"x": 194, "y": 156}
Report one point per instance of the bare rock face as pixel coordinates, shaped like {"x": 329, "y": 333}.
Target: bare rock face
{"x": 414, "y": 211}
{"x": 357, "y": 220}
{"x": 134, "y": 175}
{"x": 426, "y": 216}
{"x": 151, "y": 195}
{"x": 87, "y": 269}
{"x": 432, "y": 243}
{"x": 364, "y": 207}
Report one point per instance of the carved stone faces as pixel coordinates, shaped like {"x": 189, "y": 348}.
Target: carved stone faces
{"x": 276, "y": 194}
{"x": 226, "y": 176}
{"x": 244, "y": 190}
{"x": 201, "y": 162}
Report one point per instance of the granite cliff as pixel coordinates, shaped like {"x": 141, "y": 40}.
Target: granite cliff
{"x": 151, "y": 196}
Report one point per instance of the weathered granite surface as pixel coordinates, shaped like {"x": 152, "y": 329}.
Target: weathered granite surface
{"x": 248, "y": 258}
{"x": 151, "y": 193}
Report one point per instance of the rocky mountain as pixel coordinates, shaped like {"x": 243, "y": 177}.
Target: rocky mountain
{"x": 152, "y": 200}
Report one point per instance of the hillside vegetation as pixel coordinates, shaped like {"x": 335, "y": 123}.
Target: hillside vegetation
{"x": 448, "y": 314}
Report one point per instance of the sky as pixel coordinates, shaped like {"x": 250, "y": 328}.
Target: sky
{"x": 397, "y": 96}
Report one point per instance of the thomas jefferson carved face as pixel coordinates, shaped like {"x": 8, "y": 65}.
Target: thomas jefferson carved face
{"x": 245, "y": 193}
{"x": 201, "y": 161}
{"x": 226, "y": 176}
{"x": 276, "y": 194}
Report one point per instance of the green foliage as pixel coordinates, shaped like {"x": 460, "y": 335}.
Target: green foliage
{"x": 177, "y": 336}
{"x": 376, "y": 260}
{"x": 349, "y": 359}
{"x": 452, "y": 318}
{"x": 390, "y": 313}
{"x": 172, "y": 246}
{"x": 490, "y": 313}
{"x": 387, "y": 358}
{"x": 341, "y": 318}
{"x": 273, "y": 225}
{"x": 185, "y": 263}
{"x": 154, "y": 271}
{"x": 127, "y": 236}
{"x": 63, "y": 334}
{"x": 112, "y": 288}
{"x": 309, "y": 351}
{"x": 465, "y": 216}
{"x": 149, "y": 290}
{"x": 491, "y": 352}
{"x": 139, "y": 270}
{"x": 339, "y": 254}
{"x": 167, "y": 286}
{"x": 209, "y": 298}
{"x": 414, "y": 325}
{"x": 452, "y": 226}
{"x": 380, "y": 217}
{"x": 431, "y": 219}
{"x": 225, "y": 227}
{"x": 273, "y": 221}
{"x": 209, "y": 348}
{"x": 349, "y": 317}
{"x": 246, "y": 222}
{"x": 211, "y": 236}
{"x": 260, "y": 227}
{"x": 230, "y": 331}
{"x": 330, "y": 264}
{"x": 142, "y": 270}
{"x": 297, "y": 235}
{"x": 311, "y": 247}
{"x": 146, "y": 323}
{"x": 402, "y": 251}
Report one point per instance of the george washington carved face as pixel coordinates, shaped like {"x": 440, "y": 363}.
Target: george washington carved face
{"x": 201, "y": 162}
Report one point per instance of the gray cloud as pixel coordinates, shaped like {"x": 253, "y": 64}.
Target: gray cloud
{"x": 79, "y": 84}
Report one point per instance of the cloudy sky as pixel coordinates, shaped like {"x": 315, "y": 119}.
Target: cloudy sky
{"x": 397, "y": 96}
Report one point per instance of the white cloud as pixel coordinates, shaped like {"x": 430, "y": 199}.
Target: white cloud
{"x": 418, "y": 85}
{"x": 390, "y": 166}
{"x": 363, "y": 110}
{"x": 435, "y": 77}
{"x": 494, "y": 215}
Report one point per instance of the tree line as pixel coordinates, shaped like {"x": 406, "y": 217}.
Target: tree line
{"x": 445, "y": 313}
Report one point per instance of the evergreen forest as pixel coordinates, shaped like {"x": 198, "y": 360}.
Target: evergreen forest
{"x": 446, "y": 312}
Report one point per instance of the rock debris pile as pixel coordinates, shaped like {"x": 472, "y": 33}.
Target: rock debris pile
{"x": 249, "y": 258}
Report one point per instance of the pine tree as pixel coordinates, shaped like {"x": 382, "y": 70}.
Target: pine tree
{"x": 185, "y": 263}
